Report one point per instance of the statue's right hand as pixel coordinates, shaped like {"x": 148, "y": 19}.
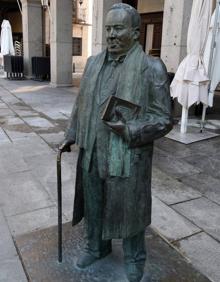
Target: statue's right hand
{"x": 66, "y": 145}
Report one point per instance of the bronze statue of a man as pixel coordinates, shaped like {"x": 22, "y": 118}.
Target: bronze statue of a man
{"x": 113, "y": 183}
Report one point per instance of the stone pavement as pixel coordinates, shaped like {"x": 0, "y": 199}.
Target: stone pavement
{"x": 39, "y": 255}
{"x": 186, "y": 179}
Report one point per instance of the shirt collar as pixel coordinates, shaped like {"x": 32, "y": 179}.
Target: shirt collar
{"x": 117, "y": 60}
{"x": 121, "y": 58}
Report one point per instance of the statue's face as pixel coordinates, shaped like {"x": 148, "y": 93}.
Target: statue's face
{"x": 119, "y": 32}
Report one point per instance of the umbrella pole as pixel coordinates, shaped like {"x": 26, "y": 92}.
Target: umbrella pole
{"x": 184, "y": 119}
{"x": 203, "y": 117}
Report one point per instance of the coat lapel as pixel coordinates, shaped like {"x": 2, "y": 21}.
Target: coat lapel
{"x": 129, "y": 88}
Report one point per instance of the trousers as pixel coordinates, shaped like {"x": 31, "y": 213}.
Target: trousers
{"x": 93, "y": 187}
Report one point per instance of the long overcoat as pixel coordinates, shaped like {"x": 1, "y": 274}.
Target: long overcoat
{"x": 127, "y": 194}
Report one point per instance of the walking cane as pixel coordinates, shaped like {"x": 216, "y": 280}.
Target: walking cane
{"x": 59, "y": 198}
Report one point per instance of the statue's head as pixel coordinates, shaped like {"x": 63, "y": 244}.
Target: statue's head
{"x": 122, "y": 28}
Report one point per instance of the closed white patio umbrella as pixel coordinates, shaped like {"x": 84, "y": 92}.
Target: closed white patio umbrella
{"x": 212, "y": 56}
{"x": 6, "y": 39}
{"x": 191, "y": 82}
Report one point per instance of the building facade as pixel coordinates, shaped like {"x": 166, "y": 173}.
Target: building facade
{"x": 163, "y": 30}
{"x": 71, "y": 30}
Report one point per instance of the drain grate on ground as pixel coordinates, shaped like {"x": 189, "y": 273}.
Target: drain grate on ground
{"x": 38, "y": 252}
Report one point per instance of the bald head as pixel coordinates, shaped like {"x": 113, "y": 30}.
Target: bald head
{"x": 122, "y": 28}
{"x": 133, "y": 13}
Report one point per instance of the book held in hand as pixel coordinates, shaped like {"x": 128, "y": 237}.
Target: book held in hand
{"x": 117, "y": 108}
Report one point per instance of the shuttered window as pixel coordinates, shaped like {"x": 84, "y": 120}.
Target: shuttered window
{"x": 77, "y": 46}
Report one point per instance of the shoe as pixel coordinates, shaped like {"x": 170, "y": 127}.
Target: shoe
{"x": 87, "y": 259}
{"x": 134, "y": 272}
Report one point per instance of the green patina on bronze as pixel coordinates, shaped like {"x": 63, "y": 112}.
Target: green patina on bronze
{"x": 119, "y": 152}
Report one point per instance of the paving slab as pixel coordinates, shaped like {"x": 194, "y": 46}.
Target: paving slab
{"x": 172, "y": 166}
{"x": 14, "y": 121}
{"x": 4, "y": 92}
{"x": 3, "y": 106}
{"x": 17, "y": 135}
{"x": 171, "y": 159}
{"x": 6, "y": 112}
{"x": 205, "y": 184}
{"x": 203, "y": 213}
{"x": 34, "y": 99}
{"x": 169, "y": 223}
{"x": 38, "y": 122}
{"x": 66, "y": 113}
{"x": 39, "y": 254}
{"x": 44, "y": 169}
{"x": 208, "y": 147}
{"x": 16, "y": 124}
{"x": 20, "y": 106}
{"x": 170, "y": 190}
{"x": 10, "y": 99}
{"x": 60, "y": 104}
{"x": 208, "y": 164}
{"x": 24, "y": 87}
{"x": 6, "y": 243}
{"x": 54, "y": 139}
{"x": 21, "y": 192}
{"x": 204, "y": 253}
{"x": 11, "y": 270}
{"x": 11, "y": 160}
{"x": 52, "y": 113}
{"x": 32, "y": 221}
{"x": 17, "y": 129}
{"x": 27, "y": 113}
{"x": 173, "y": 148}
{"x": 3, "y": 137}
{"x": 34, "y": 146}
{"x": 9, "y": 258}
{"x": 179, "y": 150}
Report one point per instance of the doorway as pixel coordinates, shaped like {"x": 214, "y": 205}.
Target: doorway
{"x": 151, "y": 32}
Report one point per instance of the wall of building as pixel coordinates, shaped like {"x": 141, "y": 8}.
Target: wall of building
{"x": 150, "y": 6}
{"x": 175, "y": 28}
{"x": 78, "y": 30}
{"x": 81, "y": 31}
{"x": 47, "y": 27}
{"x": 100, "y": 10}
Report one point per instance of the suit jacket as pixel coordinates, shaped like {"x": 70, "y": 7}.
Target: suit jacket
{"x": 144, "y": 81}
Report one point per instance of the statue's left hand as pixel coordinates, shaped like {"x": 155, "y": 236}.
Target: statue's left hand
{"x": 117, "y": 127}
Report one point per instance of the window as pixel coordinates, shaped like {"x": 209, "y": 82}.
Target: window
{"x": 77, "y": 46}
{"x": 132, "y": 3}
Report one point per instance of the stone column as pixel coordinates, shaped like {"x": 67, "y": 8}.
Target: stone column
{"x": 32, "y": 32}
{"x": 100, "y": 9}
{"x": 175, "y": 27}
{"x": 61, "y": 43}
